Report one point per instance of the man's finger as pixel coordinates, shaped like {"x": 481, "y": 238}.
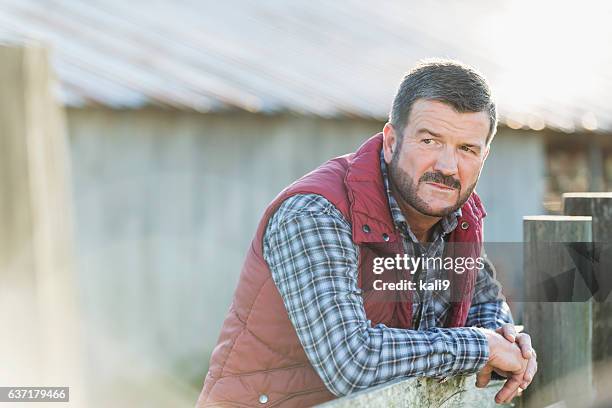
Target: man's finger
{"x": 508, "y": 389}
{"x": 483, "y": 377}
{"x": 524, "y": 342}
{"x": 508, "y": 331}
{"x": 514, "y": 395}
{"x": 507, "y": 392}
{"x": 532, "y": 368}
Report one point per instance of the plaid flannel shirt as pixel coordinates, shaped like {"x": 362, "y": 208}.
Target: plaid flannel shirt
{"x": 309, "y": 249}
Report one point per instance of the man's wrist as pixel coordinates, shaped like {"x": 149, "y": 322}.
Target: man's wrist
{"x": 491, "y": 336}
{"x": 471, "y": 350}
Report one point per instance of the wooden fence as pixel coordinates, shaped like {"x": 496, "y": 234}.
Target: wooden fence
{"x": 572, "y": 334}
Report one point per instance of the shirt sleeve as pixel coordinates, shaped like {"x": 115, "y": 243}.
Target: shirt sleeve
{"x": 489, "y": 308}
{"x": 308, "y": 246}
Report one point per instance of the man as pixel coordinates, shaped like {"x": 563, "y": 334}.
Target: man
{"x": 309, "y": 322}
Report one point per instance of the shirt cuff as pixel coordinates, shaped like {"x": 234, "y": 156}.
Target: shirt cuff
{"x": 471, "y": 350}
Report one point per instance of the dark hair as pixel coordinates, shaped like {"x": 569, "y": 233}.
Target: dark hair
{"x": 448, "y": 81}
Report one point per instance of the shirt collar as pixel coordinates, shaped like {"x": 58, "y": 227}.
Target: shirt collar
{"x": 447, "y": 224}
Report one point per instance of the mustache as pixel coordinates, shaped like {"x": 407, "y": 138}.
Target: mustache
{"x": 437, "y": 177}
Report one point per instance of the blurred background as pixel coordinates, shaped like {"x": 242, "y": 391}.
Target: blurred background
{"x": 141, "y": 141}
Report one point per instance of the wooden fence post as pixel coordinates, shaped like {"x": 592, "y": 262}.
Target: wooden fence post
{"x": 599, "y": 207}
{"x": 38, "y": 298}
{"x": 560, "y": 331}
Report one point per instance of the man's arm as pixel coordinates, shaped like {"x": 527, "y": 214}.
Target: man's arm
{"x": 308, "y": 246}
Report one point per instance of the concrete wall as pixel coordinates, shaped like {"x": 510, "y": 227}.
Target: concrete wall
{"x": 167, "y": 202}
{"x": 512, "y": 183}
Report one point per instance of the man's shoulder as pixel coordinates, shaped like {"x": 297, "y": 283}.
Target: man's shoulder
{"x": 305, "y": 205}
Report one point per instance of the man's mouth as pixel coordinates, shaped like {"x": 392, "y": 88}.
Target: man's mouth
{"x": 441, "y": 186}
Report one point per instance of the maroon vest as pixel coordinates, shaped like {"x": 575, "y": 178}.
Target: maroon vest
{"x": 258, "y": 360}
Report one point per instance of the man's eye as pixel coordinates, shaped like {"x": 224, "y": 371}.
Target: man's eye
{"x": 466, "y": 149}
{"x": 427, "y": 141}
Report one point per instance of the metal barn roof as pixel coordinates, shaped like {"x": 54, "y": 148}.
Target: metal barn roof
{"x": 550, "y": 63}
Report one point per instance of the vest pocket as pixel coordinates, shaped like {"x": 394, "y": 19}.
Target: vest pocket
{"x": 294, "y": 386}
{"x": 304, "y": 399}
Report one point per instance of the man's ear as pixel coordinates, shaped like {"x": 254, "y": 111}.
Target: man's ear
{"x": 389, "y": 142}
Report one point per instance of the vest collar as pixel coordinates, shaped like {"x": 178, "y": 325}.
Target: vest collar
{"x": 369, "y": 208}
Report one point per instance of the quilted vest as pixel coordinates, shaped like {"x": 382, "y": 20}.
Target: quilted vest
{"x": 258, "y": 360}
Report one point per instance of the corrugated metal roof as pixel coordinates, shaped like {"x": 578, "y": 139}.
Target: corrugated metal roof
{"x": 549, "y": 62}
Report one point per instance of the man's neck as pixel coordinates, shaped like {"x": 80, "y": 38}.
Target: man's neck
{"x": 420, "y": 224}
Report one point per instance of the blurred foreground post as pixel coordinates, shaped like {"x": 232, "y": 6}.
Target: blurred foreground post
{"x": 38, "y": 299}
{"x": 560, "y": 330}
{"x": 599, "y": 207}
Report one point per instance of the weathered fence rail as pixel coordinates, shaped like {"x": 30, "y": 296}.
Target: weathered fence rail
{"x": 422, "y": 392}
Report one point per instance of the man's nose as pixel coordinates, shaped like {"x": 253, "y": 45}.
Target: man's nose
{"x": 447, "y": 162}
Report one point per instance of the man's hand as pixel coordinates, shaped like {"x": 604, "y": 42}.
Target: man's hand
{"x": 506, "y": 358}
{"x": 523, "y": 340}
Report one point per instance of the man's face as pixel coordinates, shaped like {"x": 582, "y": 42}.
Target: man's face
{"x": 439, "y": 162}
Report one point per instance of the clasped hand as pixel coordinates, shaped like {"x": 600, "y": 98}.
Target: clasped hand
{"x": 511, "y": 356}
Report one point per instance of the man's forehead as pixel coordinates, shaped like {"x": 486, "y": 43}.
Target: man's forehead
{"x": 442, "y": 119}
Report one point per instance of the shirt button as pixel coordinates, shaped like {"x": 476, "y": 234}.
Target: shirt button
{"x": 385, "y": 236}
{"x": 465, "y": 225}
{"x": 366, "y": 228}
{"x": 263, "y": 398}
